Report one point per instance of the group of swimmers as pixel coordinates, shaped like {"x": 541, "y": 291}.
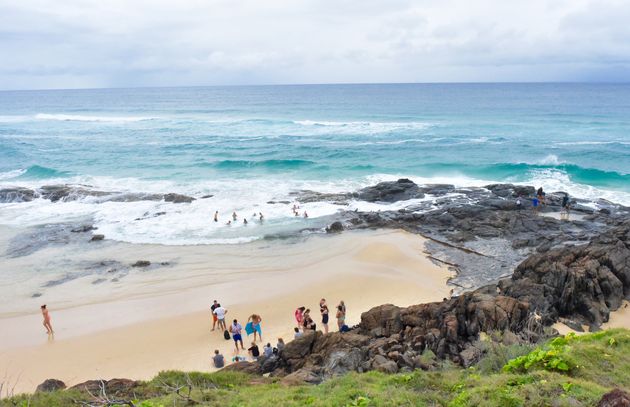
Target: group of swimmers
{"x": 255, "y": 215}
{"x": 259, "y": 215}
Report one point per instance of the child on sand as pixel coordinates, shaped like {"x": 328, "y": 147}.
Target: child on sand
{"x": 46, "y": 316}
{"x": 214, "y": 306}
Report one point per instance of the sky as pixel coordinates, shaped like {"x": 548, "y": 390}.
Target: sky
{"x": 48, "y": 44}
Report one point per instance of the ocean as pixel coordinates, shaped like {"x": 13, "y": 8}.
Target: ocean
{"x": 253, "y": 147}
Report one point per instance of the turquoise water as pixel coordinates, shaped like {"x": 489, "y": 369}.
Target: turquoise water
{"x": 249, "y": 145}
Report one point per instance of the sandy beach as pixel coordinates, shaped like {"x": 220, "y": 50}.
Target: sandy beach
{"x": 162, "y": 321}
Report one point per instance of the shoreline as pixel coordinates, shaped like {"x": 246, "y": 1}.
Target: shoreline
{"x": 138, "y": 337}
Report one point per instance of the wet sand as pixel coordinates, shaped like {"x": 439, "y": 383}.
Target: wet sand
{"x": 162, "y": 321}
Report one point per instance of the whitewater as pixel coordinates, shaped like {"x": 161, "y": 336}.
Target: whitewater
{"x": 252, "y": 149}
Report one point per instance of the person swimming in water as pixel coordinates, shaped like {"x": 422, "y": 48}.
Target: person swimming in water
{"x": 234, "y": 216}
{"x": 229, "y": 223}
{"x": 245, "y": 221}
{"x": 305, "y": 215}
{"x": 216, "y": 216}
{"x": 260, "y": 216}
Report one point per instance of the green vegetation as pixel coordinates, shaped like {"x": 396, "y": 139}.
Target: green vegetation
{"x": 567, "y": 371}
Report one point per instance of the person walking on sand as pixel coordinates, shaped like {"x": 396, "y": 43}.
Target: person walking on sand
{"x": 299, "y": 315}
{"x": 46, "y": 315}
{"x": 216, "y": 216}
{"x": 341, "y": 317}
{"x": 214, "y": 306}
{"x": 323, "y": 309}
{"x": 253, "y": 326}
{"x": 220, "y": 313}
{"x": 218, "y": 359}
{"x": 235, "y": 330}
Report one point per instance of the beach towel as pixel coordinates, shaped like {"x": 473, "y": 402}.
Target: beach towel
{"x": 249, "y": 329}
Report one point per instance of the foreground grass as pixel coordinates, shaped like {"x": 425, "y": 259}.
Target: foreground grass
{"x": 568, "y": 371}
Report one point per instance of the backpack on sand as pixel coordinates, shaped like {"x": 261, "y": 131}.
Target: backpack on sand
{"x": 226, "y": 335}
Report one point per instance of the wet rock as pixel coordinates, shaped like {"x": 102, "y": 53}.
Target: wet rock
{"x": 178, "y": 198}
{"x": 97, "y": 238}
{"x": 401, "y": 190}
{"x": 141, "y": 263}
{"x": 17, "y": 194}
{"x": 207, "y": 196}
{"x": 83, "y": 229}
{"x": 50, "y": 385}
{"x": 335, "y": 227}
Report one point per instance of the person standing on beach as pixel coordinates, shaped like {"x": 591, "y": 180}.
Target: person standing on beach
{"x": 323, "y": 309}
{"x": 255, "y": 319}
{"x": 216, "y": 216}
{"x": 341, "y": 317}
{"x": 299, "y": 315}
{"x": 46, "y": 315}
{"x": 214, "y": 306}
{"x": 235, "y": 330}
{"x": 343, "y": 306}
{"x": 220, "y": 313}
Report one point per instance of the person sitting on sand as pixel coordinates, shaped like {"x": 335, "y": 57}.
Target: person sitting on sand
{"x": 218, "y": 359}
{"x": 341, "y": 317}
{"x": 235, "y": 330}
{"x": 46, "y": 315}
{"x": 214, "y": 306}
{"x": 216, "y": 216}
{"x": 280, "y": 344}
{"x": 255, "y": 321}
{"x": 323, "y": 309}
{"x": 234, "y": 216}
{"x": 254, "y": 351}
{"x": 297, "y": 333}
{"x": 220, "y": 313}
{"x": 267, "y": 350}
{"x": 299, "y": 315}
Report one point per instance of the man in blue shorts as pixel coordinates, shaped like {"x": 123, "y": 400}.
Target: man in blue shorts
{"x": 236, "y": 330}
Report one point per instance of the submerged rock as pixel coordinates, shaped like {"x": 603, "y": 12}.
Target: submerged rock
{"x": 141, "y": 263}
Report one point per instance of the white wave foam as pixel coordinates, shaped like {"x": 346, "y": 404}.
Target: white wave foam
{"x": 364, "y": 126}
{"x": 591, "y": 143}
{"x": 550, "y": 159}
{"x": 87, "y": 118}
{"x": 11, "y": 174}
{"x": 143, "y": 222}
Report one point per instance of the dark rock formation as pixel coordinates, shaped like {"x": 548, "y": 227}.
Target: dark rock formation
{"x": 615, "y": 398}
{"x": 335, "y": 227}
{"x": 50, "y": 385}
{"x": 400, "y": 190}
{"x": 141, "y": 263}
{"x": 178, "y": 198}
{"x": 83, "y": 229}
{"x": 583, "y": 283}
{"x": 96, "y": 238}
{"x": 17, "y": 194}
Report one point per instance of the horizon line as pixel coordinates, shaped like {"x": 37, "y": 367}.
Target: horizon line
{"x": 327, "y": 84}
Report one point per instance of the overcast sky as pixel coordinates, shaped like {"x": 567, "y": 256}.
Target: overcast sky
{"x": 118, "y": 43}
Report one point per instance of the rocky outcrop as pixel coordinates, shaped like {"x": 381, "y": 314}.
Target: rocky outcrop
{"x": 400, "y": 190}
{"x": 50, "y": 385}
{"x": 615, "y": 398}
{"x": 583, "y": 283}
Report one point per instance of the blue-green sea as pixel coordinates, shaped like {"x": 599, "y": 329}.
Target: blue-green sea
{"x": 248, "y": 146}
